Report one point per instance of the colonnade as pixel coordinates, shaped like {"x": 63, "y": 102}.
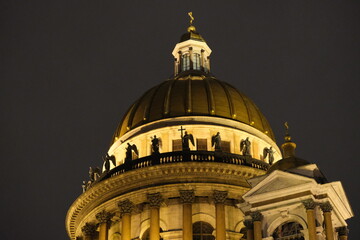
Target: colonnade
{"x": 126, "y": 207}
{"x": 254, "y": 225}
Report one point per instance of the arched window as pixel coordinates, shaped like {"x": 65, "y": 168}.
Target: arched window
{"x": 202, "y": 231}
{"x": 289, "y": 231}
{"x": 146, "y": 235}
{"x": 185, "y": 62}
{"x": 196, "y": 61}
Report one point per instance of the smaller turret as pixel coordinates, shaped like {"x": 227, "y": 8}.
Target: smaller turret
{"x": 191, "y": 54}
{"x": 288, "y": 147}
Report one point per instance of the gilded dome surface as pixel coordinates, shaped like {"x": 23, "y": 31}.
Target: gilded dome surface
{"x": 206, "y": 97}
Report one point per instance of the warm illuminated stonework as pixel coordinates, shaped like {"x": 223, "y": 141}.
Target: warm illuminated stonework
{"x": 187, "y": 162}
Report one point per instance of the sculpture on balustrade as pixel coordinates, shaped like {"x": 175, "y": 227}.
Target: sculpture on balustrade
{"x": 269, "y": 152}
{"x": 94, "y": 173}
{"x": 84, "y": 186}
{"x": 216, "y": 141}
{"x": 185, "y": 141}
{"x": 107, "y": 159}
{"x": 129, "y": 151}
{"x": 245, "y": 146}
{"x": 155, "y": 144}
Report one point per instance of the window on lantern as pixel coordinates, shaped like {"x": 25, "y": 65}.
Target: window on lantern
{"x": 203, "y": 231}
{"x": 185, "y": 60}
{"x": 196, "y": 61}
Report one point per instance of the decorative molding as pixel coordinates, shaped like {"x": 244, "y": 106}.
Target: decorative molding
{"x": 104, "y": 216}
{"x": 220, "y": 196}
{"x": 256, "y": 216}
{"x": 115, "y": 186}
{"x": 155, "y": 199}
{"x": 187, "y": 196}
{"x": 89, "y": 229}
{"x": 126, "y": 206}
{"x": 309, "y": 204}
{"x": 326, "y": 207}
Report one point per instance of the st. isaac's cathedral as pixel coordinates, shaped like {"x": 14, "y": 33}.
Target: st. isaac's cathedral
{"x": 193, "y": 158}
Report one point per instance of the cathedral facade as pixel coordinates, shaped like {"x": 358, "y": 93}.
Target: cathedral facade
{"x": 193, "y": 158}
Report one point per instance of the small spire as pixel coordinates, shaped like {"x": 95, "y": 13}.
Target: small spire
{"x": 191, "y": 28}
{"x": 288, "y": 147}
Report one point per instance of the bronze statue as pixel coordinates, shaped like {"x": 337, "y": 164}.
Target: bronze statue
{"x": 269, "y": 152}
{"x": 216, "y": 141}
{"x": 245, "y": 146}
{"x": 155, "y": 144}
{"x": 130, "y": 148}
{"x": 94, "y": 173}
{"x": 107, "y": 160}
{"x": 84, "y": 186}
{"x": 185, "y": 141}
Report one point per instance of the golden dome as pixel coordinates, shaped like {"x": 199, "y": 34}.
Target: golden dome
{"x": 190, "y": 97}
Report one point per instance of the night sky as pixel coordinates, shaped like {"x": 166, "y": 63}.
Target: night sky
{"x": 70, "y": 69}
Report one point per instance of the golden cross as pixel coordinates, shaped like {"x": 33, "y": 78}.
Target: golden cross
{"x": 191, "y": 17}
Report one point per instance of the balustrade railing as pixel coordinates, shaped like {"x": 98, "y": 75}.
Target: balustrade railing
{"x": 184, "y": 156}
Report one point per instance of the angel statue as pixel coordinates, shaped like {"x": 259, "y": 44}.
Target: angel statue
{"x": 185, "y": 141}
{"x": 216, "y": 141}
{"x": 269, "y": 152}
{"x": 129, "y": 150}
{"x": 155, "y": 144}
{"x": 94, "y": 173}
{"x": 245, "y": 147}
{"x": 107, "y": 159}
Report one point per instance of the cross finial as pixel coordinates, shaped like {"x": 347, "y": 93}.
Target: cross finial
{"x": 191, "y": 17}
{"x": 182, "y": 129}
{"x": 287, "y": 135}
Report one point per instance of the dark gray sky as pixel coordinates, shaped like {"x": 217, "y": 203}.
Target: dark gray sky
{"x": 70, "y": 69}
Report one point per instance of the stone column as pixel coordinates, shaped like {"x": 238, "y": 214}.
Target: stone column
{"x": 88, "y": 231}
{"x": 126, "y": 208}
{"x": 104, "y": 218}
{"x": 187, "y": 197}
{"x": 329, "y": 230}
{"x": 310, "y": 214}
{"x": 191, "y": 58}
{"x": 219, "y": 199}
{"x": 257, "y": 217}
{"x": 343, "y": 233}
{"x": 155, "y": 200}
{"x": 249, "y": 229}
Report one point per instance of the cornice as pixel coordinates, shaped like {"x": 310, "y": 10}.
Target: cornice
{"x": 193, "y": 172}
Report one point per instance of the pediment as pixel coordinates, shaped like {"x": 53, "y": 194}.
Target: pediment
{"x": 278, "y": 180}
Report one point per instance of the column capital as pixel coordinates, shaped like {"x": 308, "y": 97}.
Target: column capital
{"x": 256, "y": 216}
{"x": 104, "y": 216}
{"x": 343, "y": 231}
{"x": 220, "y": 196}
{"x": 326, "y": 207}
{"x": 155, "y": 199}
{"x": 187, "y": 196}
{"x": 309, "y": 204}
{"x": 89, "y": 229}
{"x": 126, "y": 206}
{"x": 248, "y": 223}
